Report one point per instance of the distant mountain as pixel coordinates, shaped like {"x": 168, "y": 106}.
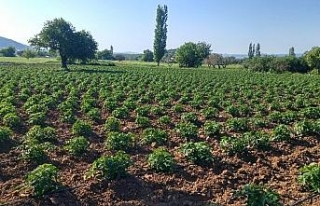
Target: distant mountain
{"x": 5, "y": 42}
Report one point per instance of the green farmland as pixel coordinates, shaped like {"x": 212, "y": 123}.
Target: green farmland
{"x": 210, "y": 132}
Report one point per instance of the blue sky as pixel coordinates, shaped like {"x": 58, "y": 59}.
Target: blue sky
{"x": 228, "y": 25}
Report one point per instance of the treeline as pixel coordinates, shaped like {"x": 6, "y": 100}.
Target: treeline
{"x": 310, "y": 60}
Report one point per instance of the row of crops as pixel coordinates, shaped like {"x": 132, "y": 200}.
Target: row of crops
{"x": 122, "y": 121}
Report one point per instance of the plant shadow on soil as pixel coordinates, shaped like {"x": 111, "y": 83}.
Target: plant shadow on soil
{"x": 147, "y": 192}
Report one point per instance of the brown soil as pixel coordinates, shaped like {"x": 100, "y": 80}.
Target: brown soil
{"x": 188, "y": 185}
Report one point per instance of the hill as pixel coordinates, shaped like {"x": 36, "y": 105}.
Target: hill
{"x": 5, "y": 42}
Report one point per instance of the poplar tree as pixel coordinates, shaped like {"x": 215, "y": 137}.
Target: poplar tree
{"x": 160, "y": 37}
{"x": 258, "y": 53}
{"x": 250, "y": 52}
{"x": 291, "y": 52}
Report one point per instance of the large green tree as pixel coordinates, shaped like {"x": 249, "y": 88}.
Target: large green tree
{"x": 313, "y": 58}
{"x": 8, "y": 52}
{"x": 160, "y": 37}
{"x": 84, "y": 47}
{"x": 191, "y": 54}
{"x": 147, "y": 56}
{"x": 60, "y": 36}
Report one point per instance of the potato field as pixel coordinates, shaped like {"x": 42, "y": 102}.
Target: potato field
{"x": 142, "y": 135}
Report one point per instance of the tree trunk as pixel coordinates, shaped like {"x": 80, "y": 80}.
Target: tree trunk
{"x": 64, "y": 62}
{"x": 158, "y": 63}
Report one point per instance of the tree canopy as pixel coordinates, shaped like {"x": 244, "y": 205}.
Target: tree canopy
{"x": 313, "y": 58}
{"x": 60, "y": 36}
{"x": 147, "y": 56}
{"x": 191, "y": 54}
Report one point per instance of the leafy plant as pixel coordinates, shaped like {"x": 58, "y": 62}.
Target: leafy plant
{"x": 281, "y": 133}
{"x": 4, "y": 134}
{"x": 81, "y": 128}
{"x": 121, "y": 113}
{"x": 303, "y": 127}
{"x": 112, "y": 124}
{"x": 189, "y": 117}
{"x": 310, "y": 177}
{"x": 37, "y": 118}
{"x": 77, "y": 146}
{"x": 38, "y": 134}
{"x": 234, "y": 145}
{"x": 34, "y": 153}
{"x": 110, "y": 167}
{"x": 94, "y": 114}
{"x": 210, "y": 112}
{"x": 187, "y": 130}
{"x": 142, "y": 121}
{"x": 161, "y": 161}
{"x": 43, "y": 179}
{"x": 211, "y": 128}
{"x": 258, "y": 195}
{"x": 11, "y": 120}
{"x": 153, "y": 135}
{"x": 199, "y": 152}
{"x": 238, "y": 124}
{"x": 165, "y": 120}
{"x": 119, "y": 141}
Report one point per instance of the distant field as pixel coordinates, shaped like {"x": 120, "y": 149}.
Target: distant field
{"x": 253, "y": 128}
{"x": 31, "y": 60}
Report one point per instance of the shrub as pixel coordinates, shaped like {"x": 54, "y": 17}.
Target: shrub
{"x": 211, "y": 128}
{"x": 199, "y": 152}
{"x": 161, "y": 161}
{"x": 153, "y": 135}
{"x": 77, "y": 146}
{"x": 119, "y": 141}
{"x": 110, "y": 167}
{"x": 112, "y": 124}
{"x": 187, "y": 130}
{"x": 310, "y": 177}
{"x": 81, "y": 128}
{"x": 43, "y": 179}
{"x": 258, "y": 195}
{"x": 11, "y": 120}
